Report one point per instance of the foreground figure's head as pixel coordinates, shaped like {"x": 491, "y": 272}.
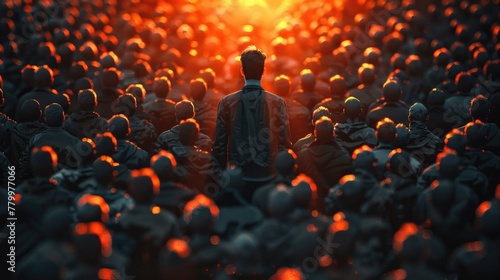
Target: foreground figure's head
{"x": 252, "y": 63}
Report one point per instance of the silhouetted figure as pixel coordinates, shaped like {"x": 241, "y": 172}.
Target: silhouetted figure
{"x": 325, "y": 161}
{"x": 85, "y": 123}
{"x": 368, "y": 92}
{"x": 205, "y": 114}
{"x": 335, "y": 103}
{"x": 28, "y": 127}
{"x": 307, "y": 95}
{"x": 252, "y": 124}
{"x": 423, "y": 144}
{"x": 161, "y": 108}
{"x": 354, "y": 133}
{"x": 169, "y": 139}
{"x": 305, "y": 141}
{"x": 127, "y": 152}
{"x": 299, "y": 116}
{"x": 390, "y": 106}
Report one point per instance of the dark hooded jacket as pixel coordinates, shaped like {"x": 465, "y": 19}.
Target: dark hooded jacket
{"x": 130, "y": 155}
{"x": 142, "y": 133}
{"x": 170, "y": 139}
{"x": 46, "y": 192}
{"x": 423, "y": 145}
{"x": 392, "y": 110}
{"x": 325, "y": 162}
{"x": 85, "y": 124}
{"x": 20, "y": 137}
{"x": 252, "y": 127}
{"x": 354, "y": 135}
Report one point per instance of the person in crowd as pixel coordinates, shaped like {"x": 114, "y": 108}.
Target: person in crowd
{"x": 205, "y": 114}
{"x": 85, "y": 123}
{"x": 162, "y": 108}
{"x": 390, "y": 106}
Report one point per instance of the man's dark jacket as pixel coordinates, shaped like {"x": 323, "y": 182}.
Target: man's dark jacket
{"x": 85, "y": 124}
{"x": 252, "y": 126}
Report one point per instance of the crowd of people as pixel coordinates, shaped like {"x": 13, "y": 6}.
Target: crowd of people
{"x": 134, "y": 160}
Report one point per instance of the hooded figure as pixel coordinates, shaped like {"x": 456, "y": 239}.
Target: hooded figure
{"x": 325, "y": 161}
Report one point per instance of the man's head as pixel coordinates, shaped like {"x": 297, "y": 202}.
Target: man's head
{"x": 391, "y": 91}
{"x": 476, "y": 133}
{"x": 352, "y": 108}
{"x": 282, "y": 86}
{"x": 189, "y": 131}
{"x": 366, "y": 73}
{"x": 184, "y": 110}
{"x": 138, "y": 91}
{"x": 161, "y": 87}
{"x": 44, "y": 77}
{"x": 418, "y": 112}
{"x": 30, "y": 110}
{"x": 110, "y": 78}
{"x": 208, "y": 75}
{"x": 119, "y": 126}
{"x": 323, "y": 129}
{"x": 307, "y": 80}
{"x": 54, "y": 115}
{"x": 87, "y": 99}
{"x": 319, "y": 113}
{"x": 43, "y": 161}
{"x": 126, "y": 104}
{"x": 164, "y": 165}
{"x": 436, "y": 98}
{"x": 480, "y": 108}
{"x": 465, "y": 82}
{"x": 105, "y": 144}
{"x": 337, "y": 86}
{"x": 198, "y": 89}
{"x": 252, "y": 63}
{"x": 386, "y": 131}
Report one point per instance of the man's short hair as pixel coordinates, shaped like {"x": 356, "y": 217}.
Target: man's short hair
{"x": 198, "y": 88}
{"x": 386, "y": 131}
{"x": 184, "y": 110}
{"x": 320, "y": 112}
{"x": 87, "y": 99}
{"x": 480, "y": 108}
{"x": 189, "y": 131}
{"x": 161, "y": 87}
{"x": 119, "y": 125}
{"x": 252, "y": 61}
{"x": 54, "y": 115}
{"x": 323, "y": 128}
{"x": 282, "y": 85}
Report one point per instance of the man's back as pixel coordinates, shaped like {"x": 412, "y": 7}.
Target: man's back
{"x": 252, "y": 126}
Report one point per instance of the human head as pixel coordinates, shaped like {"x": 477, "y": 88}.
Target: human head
{"x": 138, "y": 91}
{"x": 44, "y": 77}
{"x": 352, "y": 108}
{"x": 319, "y": 113}
{"x": 285, "y": 162}
{"x": 307, "y": 80}
{"x": 418, "y": 112}
{"x": 30, "y": 110}
{"x": 119, "y": 126}
{"x": 323, "y": 129}
{"x": 366, "y": 73}
{"x": 189, "y": 131}
{"x": 480, "y": 108}
{"x": 126, "y": 104}
{"x": 282, "y": 86}
{"x": 465, "y": 82}
{"x": 161, "y": 87}
{"x": 208, "y": 75}
{"x": 252, "y": 63}
{"x": 105, "y": 144}
{"x": 476, "y": 133}
{"x": 110, "y": 78}
{"x": 391, "y": 91}
{"x": 87, "y": 99}
{"x": 184, "y": 110}
{"x": 144, "y": 185}
{"x": 386, "y": 131}
{"x": 337, "y": 86}
{"x": 198, "y": 88}
{"x": 54, "y": 115}
{"x": 164, "y": 165}
{"x": 43, "y": 161}
{"x": 104, "y": 170}
{"x": 436, "y": 98}
{"x": 363, "y": 158}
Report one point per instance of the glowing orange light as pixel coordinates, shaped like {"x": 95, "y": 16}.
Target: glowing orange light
{"x": 314, "y": 213}
{"x": 482, "y": 208}
{"x": 311, "y": 228}
{"x": 248, "y": 28}
{"x": 98, "y": 229}
{"x": 179, "y": 246}
{"x": 286, "y": 273}
{"x": 155, "y": 210}
{"x": 96, "y": 200}
{"x": 193, "y": 52}
{"x": 347, "y": 178}
{"x": 325, "y": 261}
{"x": 105, "y": 273}
{"x": 341, "y": 225}
{"x": 200, "y": 201}
{"x": 404, "y": 232}
{"x": 338, "y": 216}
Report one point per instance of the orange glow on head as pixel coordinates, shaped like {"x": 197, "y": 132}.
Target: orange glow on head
{"x": 306, "y": 179}
{"x": 384, "y": 121}
{"x": 364, "y": 148}
{"x": 314, "y": 213}
{"x": 286, "y": 273}
{"x": 341, "y": 225}
{"x": 434, "y": 184}
{"x": 98, "y": 229}
{"x": 402, "y": 234}
{"x": 338, "y": 216}
{"x": 50, "y": 151}
{"x": 166, "y": 154}
{"x": 200, "y": 201}
{"x": 96, "y": 200}
{"x": 179, "y": 246}
{"x": 482, "y": 208}
{"x": 106, "y": 273}
{"x": 395, "y": 151}
{"x": 148, "y": 172}
{"x": 347, "y": 178}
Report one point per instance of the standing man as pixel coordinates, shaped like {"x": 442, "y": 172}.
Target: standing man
{"x": 252, "y": 125}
